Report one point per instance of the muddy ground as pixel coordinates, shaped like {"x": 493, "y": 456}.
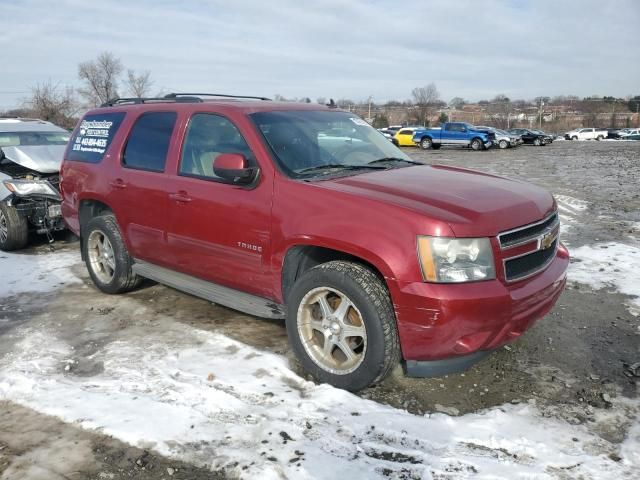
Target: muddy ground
{"x": 571, "y": 362}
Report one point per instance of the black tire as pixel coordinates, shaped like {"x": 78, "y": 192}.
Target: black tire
{"x": 426, "y": 143}
{"x": 14, "y": 229}
{"x": 124, "y": 279}
{"x": 369, "y": 295}
{"x": 600, "y": 137}
{"x": 537, "y": 142}
{"x": 395, "y": 142}
{"x": 503, "y": 144}
{"x": 574, "y": 138}
{"x": 476, "y": 144}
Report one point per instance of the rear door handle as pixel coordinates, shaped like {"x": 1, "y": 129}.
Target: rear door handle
{"x": 118, "y": 183}
{"x": 180, "y": 197}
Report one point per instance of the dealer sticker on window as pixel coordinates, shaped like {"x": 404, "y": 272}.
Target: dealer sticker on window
{"x": 358, "y": 121}
{"x": 94, "y": 135}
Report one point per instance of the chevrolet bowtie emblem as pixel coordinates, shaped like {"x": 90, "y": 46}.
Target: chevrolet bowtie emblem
{"x": 547, "y": 240}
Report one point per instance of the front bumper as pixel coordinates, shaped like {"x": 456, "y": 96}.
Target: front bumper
{"x": 446, "y": 321}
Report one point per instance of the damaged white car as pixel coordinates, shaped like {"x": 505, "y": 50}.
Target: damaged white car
{"x": 31, "y": 152}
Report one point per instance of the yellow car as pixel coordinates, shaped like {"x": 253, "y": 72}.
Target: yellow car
{"x": 404, "y": 137}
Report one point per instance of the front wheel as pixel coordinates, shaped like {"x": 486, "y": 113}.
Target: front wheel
{"x": 476, "y": 144}
{"x": 106, "y": 256}
{"x": 341, "y": 325}
{"x": 426, "y": 143}
{"x": 14, "y": 229}
{"x": 537, "y": 142}
{"x": 503, "y": 144}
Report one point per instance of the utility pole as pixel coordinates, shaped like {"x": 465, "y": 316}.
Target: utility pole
{"x": 370, "y": 98}
{"x": 541, "y": 109}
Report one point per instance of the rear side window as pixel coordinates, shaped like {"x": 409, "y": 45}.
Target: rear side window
{"x": 93, "y": 136}
{"x": 149, "y": 140}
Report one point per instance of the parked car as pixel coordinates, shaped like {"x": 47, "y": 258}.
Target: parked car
{"x": 404, "y": 137}
{"x": 630, "y": 133}
{"x": 531, "y": 137}
{"x": 548, "y": 137}
{"x": 586, "y": 134}
{"x": 370, "y": 256}
{"x": 31, "y": 152}
{"x": 502, "y": 139}
{"x": 613, "y": 133}
{"x": 453, "y": 133}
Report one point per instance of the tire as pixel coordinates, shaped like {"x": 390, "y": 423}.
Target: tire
{"x": 574, "y": 138}
{"x": 117, "y": 276}
{"x": 426, "y": 143}
{"x": 503, "y": 144}
{"x": 600, "y": 137}
{"x": 14, "y": 229}
{"x": 375, "y": 350}
{"x": 537, "y": 142}
{"x": 476, "y": 144}
{"x": 395, "y": 142}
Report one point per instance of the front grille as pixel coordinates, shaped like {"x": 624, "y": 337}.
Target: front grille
{"x": 526, "y": 265}
{"x": 528, "y": 232}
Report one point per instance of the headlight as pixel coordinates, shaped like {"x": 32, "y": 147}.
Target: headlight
{"x": 24, "y": 188}
{"x": 455, "y": 260}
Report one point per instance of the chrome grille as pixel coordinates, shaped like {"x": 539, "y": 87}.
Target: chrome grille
{"x": 543, "y": 237}
{"x": 528, "y": 233}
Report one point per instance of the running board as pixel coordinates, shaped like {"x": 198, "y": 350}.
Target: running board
{"x": 228, "y": 297}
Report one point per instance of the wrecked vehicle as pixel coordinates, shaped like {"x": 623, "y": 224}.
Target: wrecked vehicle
{"x": 31, "y": 152}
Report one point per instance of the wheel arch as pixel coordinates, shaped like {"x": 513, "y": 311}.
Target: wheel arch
{"x": 89, "y": 208}
{"x": 300, "y": 258}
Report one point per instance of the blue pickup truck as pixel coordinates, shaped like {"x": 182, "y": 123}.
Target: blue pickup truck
{"x": 453, "y": 133}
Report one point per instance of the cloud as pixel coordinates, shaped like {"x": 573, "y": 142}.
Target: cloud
{"x": 332, "y": 48}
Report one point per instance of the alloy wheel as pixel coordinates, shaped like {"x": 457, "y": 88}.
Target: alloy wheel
{"x": 332, "y": 330}
{"x": 4, "y": 228}
{"x": 101, "y": 256}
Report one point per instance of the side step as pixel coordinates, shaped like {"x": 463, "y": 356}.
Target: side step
{"x": 228, "y": 297}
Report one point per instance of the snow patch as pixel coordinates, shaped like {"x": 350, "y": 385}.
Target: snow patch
{"x": 608, "y": 265}
{"x": 26, "y": 272}
{"x": 210, "y": 400}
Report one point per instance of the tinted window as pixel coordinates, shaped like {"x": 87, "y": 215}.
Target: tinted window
{"x": 406, "y": 132}
{"x": 207, "y": 137}
{"x": 148, "y": 142}
{"x": 455, "y": 127}
{"x": 93, "y": 136}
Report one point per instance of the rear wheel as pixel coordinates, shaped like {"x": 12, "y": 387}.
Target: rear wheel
{"x": 600, "y": 137}
{"x": 426, "y": 143}
{"x": 341, "y": 325}
{"x": 503, "y": 144}
{"x": 14, "y": 229}
{"x": 574, "y": 138}
{"x": 106, "y": 256}
{"x": 476, "y": 144}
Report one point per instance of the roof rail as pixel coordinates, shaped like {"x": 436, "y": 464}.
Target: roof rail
{"x": 139, "y": 100}
{"x": 188, "y": 95}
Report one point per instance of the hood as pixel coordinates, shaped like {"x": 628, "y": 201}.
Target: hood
{"x": 471, "y": 203}
{"x": 41, "y": 158}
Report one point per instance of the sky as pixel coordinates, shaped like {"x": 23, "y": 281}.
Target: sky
{"x": 331, "y": 48}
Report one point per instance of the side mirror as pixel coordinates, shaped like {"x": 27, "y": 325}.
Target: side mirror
{"x": 234, "y": 167}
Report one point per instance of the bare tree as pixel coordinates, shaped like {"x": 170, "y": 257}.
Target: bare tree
{"x": 138, "y": 85}
{"x": 457, "y": 103}
{"x": 500, "y": 109}
{"x": 100, "y": 77}
{"x": 426, "y": 100}
{"x": 53, "y": 103}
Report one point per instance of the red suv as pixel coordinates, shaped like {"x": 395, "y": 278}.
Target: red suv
{"x": 306, "y": 213}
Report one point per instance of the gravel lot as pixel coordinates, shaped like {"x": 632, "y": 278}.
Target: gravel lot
{"x": 574, "y": 364}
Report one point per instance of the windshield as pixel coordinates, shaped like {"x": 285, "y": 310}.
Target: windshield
{"x": 311, "y": 143}
{"x": 17, "y": 139}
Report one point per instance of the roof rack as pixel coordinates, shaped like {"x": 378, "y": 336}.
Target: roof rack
{"x": 174, "y": 97}
{"x": 139, "y": 100}
{"x": 182, "y": 95}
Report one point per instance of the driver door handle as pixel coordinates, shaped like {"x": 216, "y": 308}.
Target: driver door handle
{"x": 180, "y": 197}
{"x": 118, "y": 183}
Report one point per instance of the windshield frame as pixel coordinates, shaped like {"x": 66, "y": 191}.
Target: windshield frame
{"x": 289, "y": 116}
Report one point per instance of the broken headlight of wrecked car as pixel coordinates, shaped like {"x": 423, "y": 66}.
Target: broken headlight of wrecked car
{"x": 455, "y": 260}
{"x": 25, "y": 188}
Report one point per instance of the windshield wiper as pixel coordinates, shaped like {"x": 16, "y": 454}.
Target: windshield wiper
{"x": 336, "y": 166}
{"x": 394, "y": 160}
